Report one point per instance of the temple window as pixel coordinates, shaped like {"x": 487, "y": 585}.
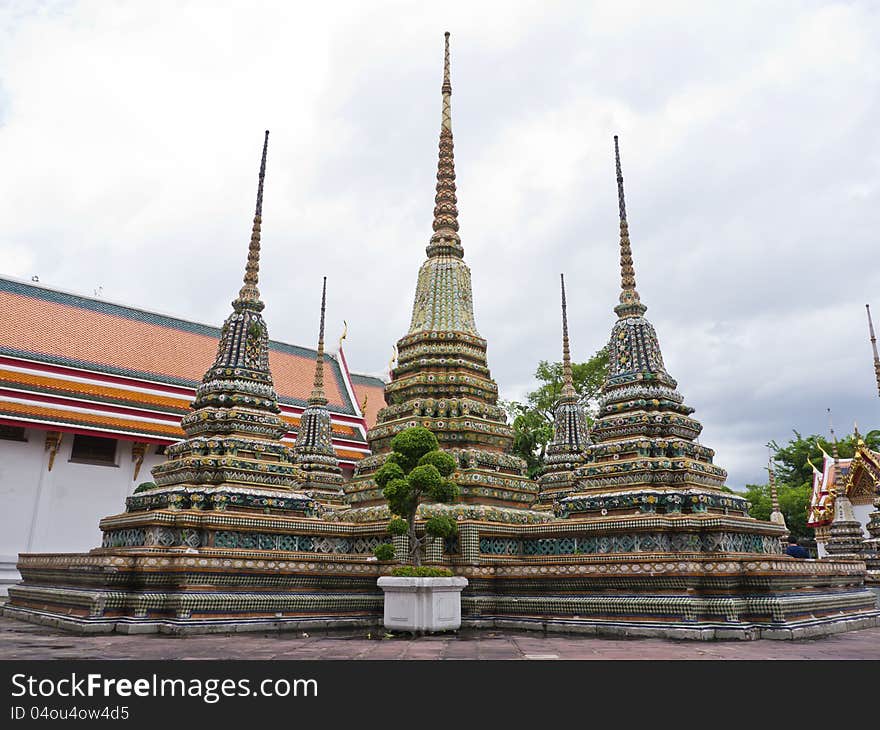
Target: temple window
{"x": 12, "y": 433}
{"x": 93, "y": 450}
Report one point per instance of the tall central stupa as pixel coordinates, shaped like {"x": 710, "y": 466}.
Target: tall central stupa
{"x": 442, "y": 379}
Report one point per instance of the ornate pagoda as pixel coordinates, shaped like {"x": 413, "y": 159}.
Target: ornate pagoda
{"x": 644, "y": 451}
{"x": 313, "y": 451}
{"x": 565, "y": 452}
{"x": 233, "y": 450}
{"x": 441, "y": 379}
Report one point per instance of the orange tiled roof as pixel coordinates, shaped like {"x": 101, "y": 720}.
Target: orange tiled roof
{"x": 73, "y": 362}
{"x": 56, "y": 326}
{"x": 374, "y": 391}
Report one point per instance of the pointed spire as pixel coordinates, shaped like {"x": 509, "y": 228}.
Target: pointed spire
{"x": 834, "y": 450}
{"x": 568, "y": 391}
{"x": 774, "y": 495}
{"x": 445, "y": 240}
{"x": 776, "y": 516}
{"x": 874, "y": 347}
{"x": 249, "y": 291}
{"x": 317, "y": 397}
{"x": 630, "y": 305}
{"x": 446, "y": 89}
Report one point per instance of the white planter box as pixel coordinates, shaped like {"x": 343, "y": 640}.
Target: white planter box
{"x": 422, "y": 604}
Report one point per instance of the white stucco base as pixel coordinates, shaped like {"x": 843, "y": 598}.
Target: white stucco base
{"x": 422, "y": 604}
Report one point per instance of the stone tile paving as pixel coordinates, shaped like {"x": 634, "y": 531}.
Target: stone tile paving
{"x": 19, "y": 640}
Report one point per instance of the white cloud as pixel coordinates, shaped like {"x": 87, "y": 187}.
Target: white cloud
{"x": 130, "y": 136}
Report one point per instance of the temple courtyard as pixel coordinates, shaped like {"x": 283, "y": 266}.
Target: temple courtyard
{"x": 20, "y": 640}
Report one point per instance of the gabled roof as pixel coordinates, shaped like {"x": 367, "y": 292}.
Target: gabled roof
{"x": 859, "y": 476}
{"x": 54, "y": 326}
{"x": 84, "y": 364}
{"x": 370, "y": 390}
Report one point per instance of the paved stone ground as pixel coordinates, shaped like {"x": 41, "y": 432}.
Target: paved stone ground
{"x": 20, "y": 640}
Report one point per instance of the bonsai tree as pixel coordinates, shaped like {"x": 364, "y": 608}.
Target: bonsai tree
{"x": 416, "y": 471}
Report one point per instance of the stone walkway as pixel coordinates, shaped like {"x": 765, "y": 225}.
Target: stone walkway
{"x": 19, "y": 640}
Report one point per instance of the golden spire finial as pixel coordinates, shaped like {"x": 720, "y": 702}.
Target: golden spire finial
{"x": 445, "y": 240}
{"x": 856, "y": 435}
{"x": 874, "y": 347}
{"x": 317, "y": 397}
{"x": 630, "y": 304}
{"x": 568, "y": 391}
{"x": 252, "y": 271}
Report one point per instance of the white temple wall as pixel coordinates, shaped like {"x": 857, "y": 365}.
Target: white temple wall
{"x": 861, "y": 512}
{"x": 58, "y": 511}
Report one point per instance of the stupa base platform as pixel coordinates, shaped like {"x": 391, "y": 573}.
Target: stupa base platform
{"x": 188, "y": 627}
{"x": 695, "y": 596}
{"x": 698, "y": 631}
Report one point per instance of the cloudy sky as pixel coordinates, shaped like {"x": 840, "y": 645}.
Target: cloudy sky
{"x": 130, "y": 137}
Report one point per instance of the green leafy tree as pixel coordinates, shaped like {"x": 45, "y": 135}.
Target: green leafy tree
{"x": 794, "y": 501}
{"x": 532, "y": 420}
{"x": 794, "y": 477}
{"x": 416, "y": 471}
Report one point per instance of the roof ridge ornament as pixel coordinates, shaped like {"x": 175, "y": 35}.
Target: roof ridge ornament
{"x": 630, "y": 303}
{"x": 249, "y": 292}
{"x": 445, "y": 240}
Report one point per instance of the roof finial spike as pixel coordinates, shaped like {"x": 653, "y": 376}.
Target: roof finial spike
{"x": 446, "y": 119}
{"x": 621, "y": 199}
{"x": 630, "y": 305}
{"x": 445, "y": 240}
{"x": 834, "y": 450}
{"x": 318, "y": 397}
{"x": 249, "y": 291}
{"x": 568, "y": 391}
{"x": 874, "y": 347}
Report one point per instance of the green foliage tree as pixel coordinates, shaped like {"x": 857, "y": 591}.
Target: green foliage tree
{"x": 794, "y": 477}
{"x": 415, "y": 471}
{"x": 794, "y": 501}
{"x": 532, "y": 420}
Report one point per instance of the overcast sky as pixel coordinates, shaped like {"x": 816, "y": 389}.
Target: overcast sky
{"x": 130, "y": 137}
